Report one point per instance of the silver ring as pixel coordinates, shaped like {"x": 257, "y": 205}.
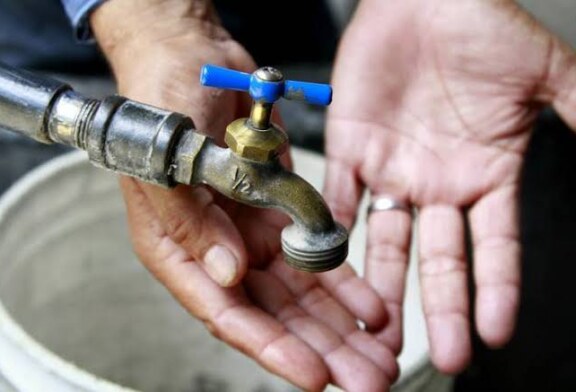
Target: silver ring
{"x": 387, "y": 203}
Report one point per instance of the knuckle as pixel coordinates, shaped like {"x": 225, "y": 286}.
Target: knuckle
{"x": 384, "y": 250}
{"x": 179, "y": 228}
{"x": 442, "y": 265}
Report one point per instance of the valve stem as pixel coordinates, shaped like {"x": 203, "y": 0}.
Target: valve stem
{"x": 260, "y": 115}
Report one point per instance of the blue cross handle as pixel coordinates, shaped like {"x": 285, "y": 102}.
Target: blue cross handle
{"x": 266, "y": 85}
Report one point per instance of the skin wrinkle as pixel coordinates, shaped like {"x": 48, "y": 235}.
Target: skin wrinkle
{"x": 262, "y": 352}
{"x": 291, "y": 312}
{"x": 314, "y": 384}
{"x": 455, "y": 108}
{"x": 313, "y": 296}
{"x": 341, "y": 285}
{"x": 217, "y": 317}
{"x": 381, "y": 128}
{"x": 299, "y": 313}
{"x": 546, "y": 71}
{"x": 162, "y": 238}
{"x": 373, "y": 124}
{"x": 337, "y": 342}
{"x": 448, "y": 94}
{"x": 473, "y": 136}
{"x": 358, "y": 342}
{"x": 504, "y": 187}
{"x": 511, "y": 284}
{"x": 384, "y": 251}
{"x": 510, "y": 181}
{"x": 199, "y": 9}
{"x": 207, "y": 28}
{"x": 498, "y": 156}
{"x": 496, "y": 241}
{"x": 180, "y": 228}
{"x": 512, "y": 185}
{"x": 436, "y": 304}
{"x": 439, "y": 314}
{"x": 318, "y": 297}
{"x": 330, "y": 352}
{"x": 443, "y": 83}
{"x": 435, "y": 315}
{"x": 434, "y": 266}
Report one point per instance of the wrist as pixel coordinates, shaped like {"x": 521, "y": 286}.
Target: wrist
{"x": 127, "y": 23}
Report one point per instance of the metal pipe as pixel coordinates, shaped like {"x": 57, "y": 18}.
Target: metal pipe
{"x": 162, "y": 148}
{"x": 25, "y": 101}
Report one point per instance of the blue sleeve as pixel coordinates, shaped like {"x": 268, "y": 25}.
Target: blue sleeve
{"x": 78, "y": 12}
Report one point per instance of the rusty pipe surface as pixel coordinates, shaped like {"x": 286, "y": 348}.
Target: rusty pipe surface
{"x": 163, "y": 148}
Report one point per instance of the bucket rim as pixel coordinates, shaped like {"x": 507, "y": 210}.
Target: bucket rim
{"x": 12, "y": 334}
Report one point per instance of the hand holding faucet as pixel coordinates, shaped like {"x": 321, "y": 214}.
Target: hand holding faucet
{"x": 301, "y": 326}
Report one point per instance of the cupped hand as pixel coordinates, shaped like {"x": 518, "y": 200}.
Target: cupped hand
{"x": 222, "y": 260}
{"x": 434, "y": 103}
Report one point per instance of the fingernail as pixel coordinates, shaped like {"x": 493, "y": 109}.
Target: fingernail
{"x": 221, "y": 265}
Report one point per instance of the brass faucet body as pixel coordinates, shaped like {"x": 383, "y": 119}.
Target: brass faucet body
{"x": 314, "y": 242}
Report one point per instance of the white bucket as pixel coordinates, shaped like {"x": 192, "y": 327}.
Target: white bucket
{"x": 78, "y": 312}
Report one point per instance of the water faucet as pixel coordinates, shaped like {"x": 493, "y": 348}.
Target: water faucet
{"x": 163, "y": 148}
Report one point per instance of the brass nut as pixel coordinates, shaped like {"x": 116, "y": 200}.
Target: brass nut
{"x": 255, "y": 144}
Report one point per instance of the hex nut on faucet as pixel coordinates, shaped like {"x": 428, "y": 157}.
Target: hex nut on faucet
{"x": 255, "y": 144}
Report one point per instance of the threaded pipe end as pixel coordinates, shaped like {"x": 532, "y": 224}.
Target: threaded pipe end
{"x": 315, "y": 252}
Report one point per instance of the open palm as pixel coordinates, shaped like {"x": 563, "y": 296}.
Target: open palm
{"x": 434, "y": 102}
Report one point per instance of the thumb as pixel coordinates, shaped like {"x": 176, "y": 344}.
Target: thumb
{"x": 561, "y": 81}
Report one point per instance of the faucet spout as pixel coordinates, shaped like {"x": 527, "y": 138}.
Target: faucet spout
{"x": 314, "y": 242}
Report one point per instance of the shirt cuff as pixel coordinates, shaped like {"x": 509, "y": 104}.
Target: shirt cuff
{"x": 78, "y": 12}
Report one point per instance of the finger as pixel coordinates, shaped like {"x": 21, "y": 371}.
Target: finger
{"x": 496, "y": 264}
{"x": 192, "y": 220}
{"x": 387, "y": 254}
{"x": 443, "y": 283}
{"x": 349, "y": 369}
{"x": 559, "y": 88}
{"x": 355, "y": 295}
{"x": 262, "y": 240}
{"x": 342, "y": 191}
{"x": 315, "y": 300}
{"x": 226, "y": 311}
